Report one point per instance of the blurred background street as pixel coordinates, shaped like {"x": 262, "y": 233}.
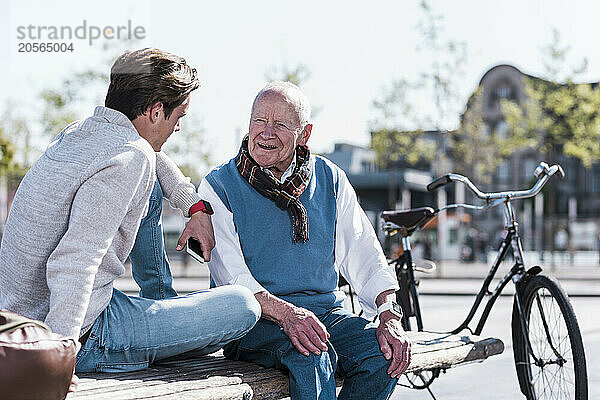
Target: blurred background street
{"x": 450, "y": 278}
{"x": 402, "y": 92}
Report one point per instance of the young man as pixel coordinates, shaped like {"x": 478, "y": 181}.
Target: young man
{"x": 76, "y": 215}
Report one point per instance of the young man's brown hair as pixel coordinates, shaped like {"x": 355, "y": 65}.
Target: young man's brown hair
{"x": 141, "y": 78}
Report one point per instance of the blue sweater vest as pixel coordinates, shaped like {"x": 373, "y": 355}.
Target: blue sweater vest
{"x": 304, "y": 274}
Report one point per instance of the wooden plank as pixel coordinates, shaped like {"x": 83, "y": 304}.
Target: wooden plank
{"x": 214, "y": 377}
{"x": 122, "y": 387}
{"x": 455, "y": 355}
{"x": 185, "y": 389}
{"x": 239, "y": 392}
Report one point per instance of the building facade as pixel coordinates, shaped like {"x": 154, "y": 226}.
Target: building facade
{"x": 575, "y": 200}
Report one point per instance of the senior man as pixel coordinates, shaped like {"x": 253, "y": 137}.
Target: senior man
{"x": 286, "y": 224}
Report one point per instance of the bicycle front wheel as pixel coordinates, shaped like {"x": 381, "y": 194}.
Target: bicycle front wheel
{"x": 555, "y": 367}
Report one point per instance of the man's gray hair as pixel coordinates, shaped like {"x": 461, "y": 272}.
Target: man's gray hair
{"x": 294, "y": 95}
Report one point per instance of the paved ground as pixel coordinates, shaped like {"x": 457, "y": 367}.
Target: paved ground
{"x": 447, "y": 296}
{"x": 496, "y": 378}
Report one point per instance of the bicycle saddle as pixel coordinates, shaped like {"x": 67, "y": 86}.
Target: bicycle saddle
{"x": 409, "y": 219}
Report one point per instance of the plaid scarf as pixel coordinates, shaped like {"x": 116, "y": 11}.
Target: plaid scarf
{"x": 285, "y": 195}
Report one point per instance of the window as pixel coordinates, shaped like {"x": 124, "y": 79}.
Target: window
{"x": 453, "y": 235}
{"x": 488, "y": 129}
{"x": 503, "y": 92}
{"x": 595, "y": 179}
{"x": 502, "y": 129}
{"x": 503, "y": 172}
{"x": 528, "y": 166}
{"x": 368, "y": 166}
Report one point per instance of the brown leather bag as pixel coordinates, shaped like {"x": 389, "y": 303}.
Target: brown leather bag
{"x": 35, "y": 363}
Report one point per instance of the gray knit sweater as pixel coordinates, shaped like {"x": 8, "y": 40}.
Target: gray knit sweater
{"x": 75, "y": 217}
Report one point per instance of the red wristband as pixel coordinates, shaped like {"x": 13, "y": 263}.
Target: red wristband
{"x": 203, "y": 206}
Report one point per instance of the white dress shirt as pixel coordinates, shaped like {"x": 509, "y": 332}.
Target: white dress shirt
{"x": 358, "y": 254}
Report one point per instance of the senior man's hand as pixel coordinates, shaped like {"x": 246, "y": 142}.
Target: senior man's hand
{"x": 304, "y": 329}
{"x": 200, "y": 228}
{"x": 394, "y": 343}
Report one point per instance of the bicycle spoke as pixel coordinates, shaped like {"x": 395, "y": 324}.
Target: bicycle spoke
{"x": 545, "y": 382}
{"x": 563, "y": 388}
{"x": 550, "y": 343}
{"x": 554, "y": 380}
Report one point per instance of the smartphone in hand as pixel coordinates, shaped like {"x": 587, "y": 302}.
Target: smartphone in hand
{"x": 195, "y": 250}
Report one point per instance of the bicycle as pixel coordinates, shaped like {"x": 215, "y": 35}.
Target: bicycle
{"x": 548, "y": 349}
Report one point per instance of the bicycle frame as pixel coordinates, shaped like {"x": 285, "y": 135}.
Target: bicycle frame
{"x": 512, "y": 241}
{"x": 411, "y": 284}
{"x": 516, "y": 274}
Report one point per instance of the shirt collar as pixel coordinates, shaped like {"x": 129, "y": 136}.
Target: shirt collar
{"x": 113, "y": 116}
{"x": 286, "y": 174}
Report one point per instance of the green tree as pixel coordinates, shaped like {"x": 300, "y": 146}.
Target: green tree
{"x": 442, "y": 77}
{"x": 75, "y": 95}
{"x": 557, "y": 117}
{"x": 396, "y": 147}
{"x": 296, "y": 75}
{"x": 478, "y": 152}
{"x": 62, "y": 105}
{"x": 14, "y": 129}
{"x": 392, "y": 138}
{"x": 11, "y": 170}
{"x": 7, "y": 152}
{"x": 189, "y": 149}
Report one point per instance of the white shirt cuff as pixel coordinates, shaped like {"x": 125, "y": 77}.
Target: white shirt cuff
{"x": 248, "y": 281}
{"x": 383, "y": 280}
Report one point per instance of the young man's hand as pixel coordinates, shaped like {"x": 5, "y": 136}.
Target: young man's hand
{"x": 200, "y": 228}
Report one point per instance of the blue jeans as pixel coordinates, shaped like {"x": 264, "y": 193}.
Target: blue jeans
{"x": 149, "y": 263}
{"x": 353, "y": 351}
{"x": 133, "y": 332}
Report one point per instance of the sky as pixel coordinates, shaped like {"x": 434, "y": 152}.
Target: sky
{"x": 352, "y": 49}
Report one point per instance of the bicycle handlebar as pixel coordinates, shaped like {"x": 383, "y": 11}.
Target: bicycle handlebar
{"x": 439, "y": 182}
{"x": 542, "y": 172}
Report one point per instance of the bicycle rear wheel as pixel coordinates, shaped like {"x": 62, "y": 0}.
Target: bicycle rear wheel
{"x": 556, "y": 367}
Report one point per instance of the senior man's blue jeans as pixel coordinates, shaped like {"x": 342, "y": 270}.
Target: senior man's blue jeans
{"x": 353, "y": 351}
{"x": 133, "y": 332}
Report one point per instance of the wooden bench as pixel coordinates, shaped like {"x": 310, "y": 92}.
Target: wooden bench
{"x": 214, "y": 377}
